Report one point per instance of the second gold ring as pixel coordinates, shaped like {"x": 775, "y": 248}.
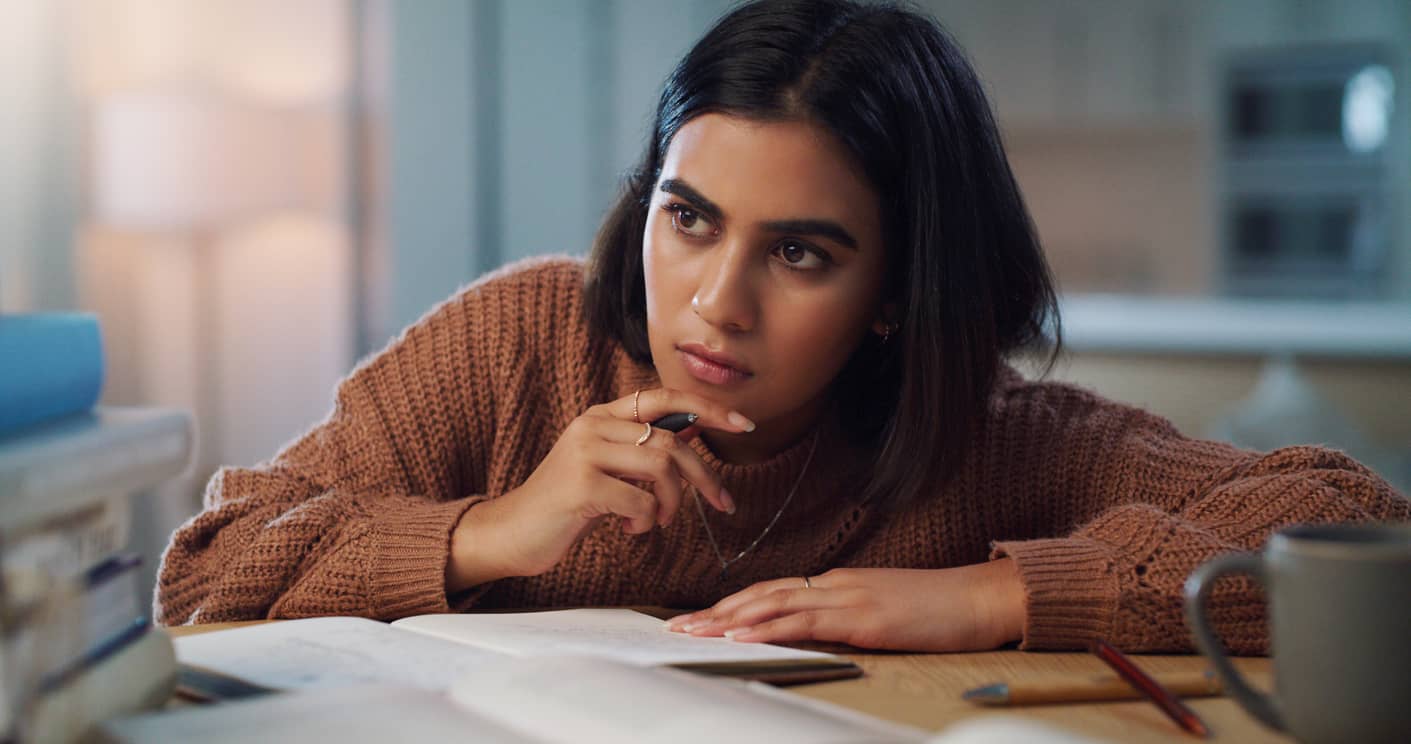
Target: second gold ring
{"x": 647, "y": 434}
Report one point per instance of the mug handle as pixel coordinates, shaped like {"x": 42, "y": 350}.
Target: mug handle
{"x": 1198, "y": 588}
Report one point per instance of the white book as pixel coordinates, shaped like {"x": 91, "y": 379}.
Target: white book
{"x": 139, "y": 676}
{"x": 61, "y": 468}
{"x": 31, "y": 558}
{"x": 64, "y": 506}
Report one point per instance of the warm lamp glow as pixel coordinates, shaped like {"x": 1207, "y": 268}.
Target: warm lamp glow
{"x": 171, "y": 162}
{"x": 217, "y": 147}
{"x": 283, "y": 53}
{"x": 285, "y": 278}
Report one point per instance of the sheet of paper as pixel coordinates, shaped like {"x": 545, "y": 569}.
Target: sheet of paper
{"x": 1003, "y": 727}
{"x": 597, "y": 701}
{"x": 331, "y": 652}
{"x": 622, "y": 635}
{"x": 347, "y": 715}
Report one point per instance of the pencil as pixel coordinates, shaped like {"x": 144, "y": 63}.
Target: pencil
{"x": 1094, "y": 689}
{"x": 1168, "y": 703}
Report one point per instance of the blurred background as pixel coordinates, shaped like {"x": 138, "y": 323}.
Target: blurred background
{"x": 255, "y": 194}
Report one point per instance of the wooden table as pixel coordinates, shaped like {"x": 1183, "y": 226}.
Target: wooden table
{"x": 923, "y": 690}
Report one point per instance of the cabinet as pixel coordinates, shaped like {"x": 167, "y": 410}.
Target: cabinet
{"x": 1314, "y": 35}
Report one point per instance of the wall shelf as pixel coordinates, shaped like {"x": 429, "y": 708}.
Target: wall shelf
{"x": 1115, "y": 323}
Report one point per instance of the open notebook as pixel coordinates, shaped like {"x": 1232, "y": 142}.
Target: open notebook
{"x": 522, "y": 700}
{"x": 581, "y": 676}
{"x": 553, "y": 700}
{"x": 433, "y": 651}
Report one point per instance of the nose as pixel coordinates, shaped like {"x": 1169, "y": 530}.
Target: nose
{"x": 724, "y": 295}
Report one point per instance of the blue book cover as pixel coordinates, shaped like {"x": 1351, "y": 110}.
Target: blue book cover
{"x": 51, "y": 366}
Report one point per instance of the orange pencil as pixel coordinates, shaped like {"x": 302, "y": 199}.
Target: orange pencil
{"x": 1095, "y": 688}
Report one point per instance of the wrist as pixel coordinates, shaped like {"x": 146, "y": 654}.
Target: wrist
{"x": 1005, "y": 591}
{"x": 474, "y": 558}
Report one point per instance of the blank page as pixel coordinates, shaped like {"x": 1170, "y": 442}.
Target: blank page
{"x": 347, "y": 715}
{"x": 622, "y": 635}
{"x": 595, "y": 701}
{"x": 330, "y": 652}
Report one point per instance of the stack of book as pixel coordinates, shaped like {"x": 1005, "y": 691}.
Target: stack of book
{"x": 75, "y": 642}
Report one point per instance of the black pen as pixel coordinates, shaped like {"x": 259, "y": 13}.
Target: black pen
{"x": 675, "y": 422}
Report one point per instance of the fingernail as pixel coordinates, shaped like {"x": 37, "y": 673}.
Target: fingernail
{"x": 688, "y": 627}
{"x": 739, "y": 420}
{"x": 735, "y": 633}
{"x": 728, "y": 500}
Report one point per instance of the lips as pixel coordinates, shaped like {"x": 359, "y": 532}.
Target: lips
{"x": 713, "y": 367}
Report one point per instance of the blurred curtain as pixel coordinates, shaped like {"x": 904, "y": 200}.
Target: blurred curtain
{"x": 38, "y": 159}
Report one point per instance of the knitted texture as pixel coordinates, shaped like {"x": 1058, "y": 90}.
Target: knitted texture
{"x": 1105, "y": 508}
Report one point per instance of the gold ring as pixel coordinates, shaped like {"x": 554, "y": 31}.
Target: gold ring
{"x": 806, "y": 583}
{"x": 635, "y": 396}
{"x": 645, "y": 436}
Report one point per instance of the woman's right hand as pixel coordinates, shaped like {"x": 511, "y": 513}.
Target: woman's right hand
{"x": 594, "y": 470}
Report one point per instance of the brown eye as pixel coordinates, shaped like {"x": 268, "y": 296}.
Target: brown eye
{"x": 688, "y": 221}
{"x": 801, "y": 257}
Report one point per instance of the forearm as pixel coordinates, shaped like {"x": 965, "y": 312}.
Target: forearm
{"x": 1119, "y": 577}
{"x": 476, "y": 556}
{"x": 1001, "y": 602}
{"x": 370, "y": 555}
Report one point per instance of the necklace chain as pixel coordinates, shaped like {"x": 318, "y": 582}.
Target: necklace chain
{"x": 719, "y": 556}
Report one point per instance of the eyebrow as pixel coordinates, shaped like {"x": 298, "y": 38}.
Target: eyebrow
{"x": 825, "y": 228}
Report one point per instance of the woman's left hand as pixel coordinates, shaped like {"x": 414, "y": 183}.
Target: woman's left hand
{"x": 969, "y": 608}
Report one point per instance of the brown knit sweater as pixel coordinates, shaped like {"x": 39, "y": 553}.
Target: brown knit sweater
{"x": 1104, "y": 507}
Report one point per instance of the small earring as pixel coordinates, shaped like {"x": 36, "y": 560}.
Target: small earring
{"x": 887, "y": 333}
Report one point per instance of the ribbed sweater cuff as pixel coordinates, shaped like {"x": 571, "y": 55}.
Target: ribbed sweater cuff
{"x": 413, "y": 545}
{"x": 1070, "y": 592}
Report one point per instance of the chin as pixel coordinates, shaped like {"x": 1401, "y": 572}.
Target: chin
{"x": 680, "y": 380}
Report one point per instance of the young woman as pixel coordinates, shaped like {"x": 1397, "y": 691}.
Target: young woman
{"x": 824, "y": 257}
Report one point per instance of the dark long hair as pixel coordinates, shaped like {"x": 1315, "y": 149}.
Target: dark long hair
{"x": 964, "y": 265}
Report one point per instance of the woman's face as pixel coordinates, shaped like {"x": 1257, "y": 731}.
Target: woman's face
{"x": 764, "y": 262}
